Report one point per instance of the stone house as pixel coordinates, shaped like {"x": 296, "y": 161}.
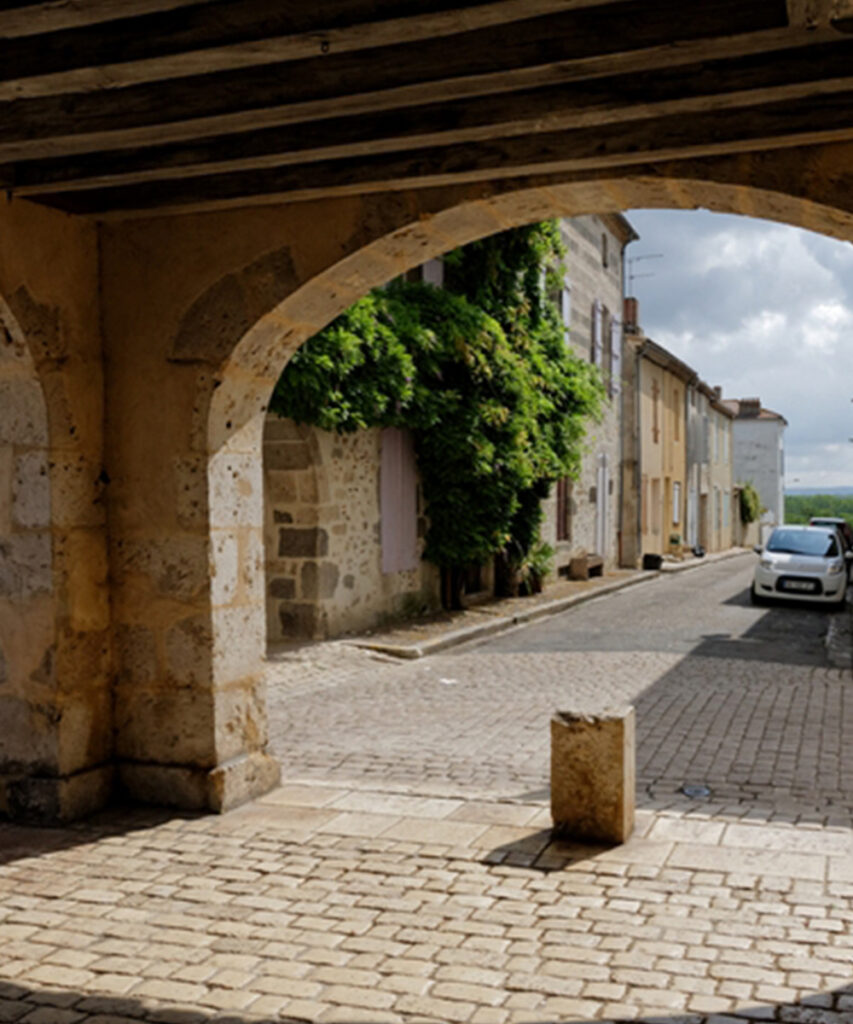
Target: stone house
{"x": 759, "y": 455}
{"x": 343, "y": 522}
{"x": 583, "y": 516}
{"x": 711, "y": 512}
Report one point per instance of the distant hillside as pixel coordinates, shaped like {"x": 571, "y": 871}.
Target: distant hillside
{"x": 800, "y": 507}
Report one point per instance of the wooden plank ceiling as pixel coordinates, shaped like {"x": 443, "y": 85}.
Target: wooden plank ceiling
{"x": 113, "y": 106}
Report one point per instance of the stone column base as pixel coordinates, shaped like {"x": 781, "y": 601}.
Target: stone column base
{"x": 593, "y": 775}
{"x": 201, "y": 789}
{"x": 47, "y": 800}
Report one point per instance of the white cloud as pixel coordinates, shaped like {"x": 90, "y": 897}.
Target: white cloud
{"x": 764, "y": 310}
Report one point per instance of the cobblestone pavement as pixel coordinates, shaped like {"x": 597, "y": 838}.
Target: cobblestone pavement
{"x": 769, "y": 737}
{"x": 405, "y": 871}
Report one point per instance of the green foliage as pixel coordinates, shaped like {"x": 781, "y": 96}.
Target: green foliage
{"x": 750, "y": 503}
{"x": 480, "y": 372}
{"x": 799, "y": 508}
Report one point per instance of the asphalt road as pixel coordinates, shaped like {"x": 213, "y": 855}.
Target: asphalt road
{"x": 704, "y": 613}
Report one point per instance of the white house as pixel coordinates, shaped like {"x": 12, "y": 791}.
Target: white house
{"x": 759, "y": 455}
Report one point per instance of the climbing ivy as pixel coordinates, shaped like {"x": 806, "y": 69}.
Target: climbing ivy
{"x": 479, "y": 371}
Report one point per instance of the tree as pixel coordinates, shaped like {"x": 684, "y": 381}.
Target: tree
{"x": 481, "y": 374}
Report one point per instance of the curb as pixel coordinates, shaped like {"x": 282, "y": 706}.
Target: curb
{"x": 504, "y": 622}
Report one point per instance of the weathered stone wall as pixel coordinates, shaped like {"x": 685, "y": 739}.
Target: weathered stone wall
{"x": 183, "y": 324}
{"x": 55, "y": 705}
{"x": 592, "y": 280}
{"x": 322, "y": 526}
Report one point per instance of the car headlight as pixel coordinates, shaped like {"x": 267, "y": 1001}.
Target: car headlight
{"x": 766, "y": 563}
{"x": 835, "y": 568}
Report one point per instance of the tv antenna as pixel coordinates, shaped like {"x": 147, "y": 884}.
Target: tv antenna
{"x": 633, "y": 275}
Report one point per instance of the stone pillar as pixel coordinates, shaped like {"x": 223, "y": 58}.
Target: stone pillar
{"x": 593, "y": 768}
{"x": 55, "y": 653}
{"x": 186, "y": 518}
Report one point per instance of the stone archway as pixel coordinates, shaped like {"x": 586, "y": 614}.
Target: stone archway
{"x": 199, "y": 314}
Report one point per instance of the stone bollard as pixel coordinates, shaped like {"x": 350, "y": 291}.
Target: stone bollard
{"x": 592, "y": 775}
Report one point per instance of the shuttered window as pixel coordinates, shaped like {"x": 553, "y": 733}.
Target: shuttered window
{"x": 398, "y": 501}
{"x": 564, "y": 509}
{"x": 615, "y": 357}
{"x": 596, "y": 341}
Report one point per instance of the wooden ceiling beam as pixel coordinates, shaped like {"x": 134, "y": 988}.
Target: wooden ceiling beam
{"x": 235, "y": 34}
{"x": 685, "y": 90}
{"x": 35, "y": 17}
{"x": 711, "y": 133}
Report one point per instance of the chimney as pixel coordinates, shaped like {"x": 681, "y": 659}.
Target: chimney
{"x": 750, "y": 408}
{"x": 632, "y": 314}
{"x": 718, "y": 393}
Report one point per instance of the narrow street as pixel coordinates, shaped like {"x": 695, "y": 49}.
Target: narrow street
{"x": 405, "y": 872}
{"x": 739, "y": 699}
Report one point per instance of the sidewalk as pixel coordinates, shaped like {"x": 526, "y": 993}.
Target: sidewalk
{"x": 449, "y": 629}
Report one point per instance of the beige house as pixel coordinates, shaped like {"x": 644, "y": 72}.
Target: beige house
{"x": 654, "y": 454}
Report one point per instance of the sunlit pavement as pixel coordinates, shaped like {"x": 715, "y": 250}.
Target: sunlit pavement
{"x": 405, "y": 871}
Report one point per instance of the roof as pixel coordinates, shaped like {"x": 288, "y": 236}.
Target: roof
{"x": 663, "y": 357}
{"x": 751, "y": 409}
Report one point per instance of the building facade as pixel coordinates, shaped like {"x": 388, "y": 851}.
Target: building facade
{"x": 710, "y": 509}
{"x": 343, "y": 521}
{"x": 583, "y": 516}
{"x": 758, "y": 439}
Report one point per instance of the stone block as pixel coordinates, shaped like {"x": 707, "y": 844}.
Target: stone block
{"x": 287, "y": 455}
{"x": 593, "y": 775}
{"x": 189, "y": 652}
{"x": 302, "y": 543}
{"x": 31, "y": 491}
{"x": 236, "y": 489}
{"x": 298, "y": 620}
{"x": 319, "y": 580}
{"x": 225, "y": 566}
{"x": 280, "y": 428}
{"x": 24, "y": 419}
{"x": 283, "y": 588}
{"x": 239, "y": 641}
{"x": 165, "y": 726}
{"x": 241, "y": 780}
{"x": 136, "y": 650}
{"x": 29, "y": 736}
{"x": 51, "y": 800}
{"x": 241, "y": 719}
{"x": 25, "y": 565}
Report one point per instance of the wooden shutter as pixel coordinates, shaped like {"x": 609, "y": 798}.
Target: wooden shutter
{"x": 615, "y": 356}
{"x": 596, "y": 334}
{"x": 566, "y": 308}
{"x": 398, "y": 502}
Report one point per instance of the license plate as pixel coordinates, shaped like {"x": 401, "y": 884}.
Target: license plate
{"x": 804, "y": 585}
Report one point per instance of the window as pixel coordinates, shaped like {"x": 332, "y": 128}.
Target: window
{"x": 727, "y": 503}
{"x": 676, "y": 412}
{"x": 676, "y": 503}
{"x": 596, "y": 339}
{"x": 605, "y": 251}
{"x": 398, "y": 502}
{"x": 566, "y": 307}
{"x": 656, "y": 506}
{"x": 606, "y": 349}
{"x": 615, "y": 357}
{"x": 564, "y": 509}
{"x": 433, "y": 273}
{"x": 655, "y": 412}
{"x": 644, "y": 505}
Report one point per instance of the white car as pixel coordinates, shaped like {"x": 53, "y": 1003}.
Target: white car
{"x": 804, "y": 563}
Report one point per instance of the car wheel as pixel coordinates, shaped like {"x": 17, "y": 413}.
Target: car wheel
{"x": 755, "y": 597}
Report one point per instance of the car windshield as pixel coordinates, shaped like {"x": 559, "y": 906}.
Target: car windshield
{"x": 803, "y": 542}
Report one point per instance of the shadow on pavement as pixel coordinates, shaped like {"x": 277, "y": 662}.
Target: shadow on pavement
{"x": 19, "y": 1002}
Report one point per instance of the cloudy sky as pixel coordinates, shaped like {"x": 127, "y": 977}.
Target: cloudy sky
{"x": 764, "y": 310}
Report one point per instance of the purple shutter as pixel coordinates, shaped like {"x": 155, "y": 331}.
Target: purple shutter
{"x": 398, "y": 502}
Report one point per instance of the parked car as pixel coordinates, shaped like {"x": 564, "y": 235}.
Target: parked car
{"x": 840, "y": 524}
{"x": 803, "y": 563}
